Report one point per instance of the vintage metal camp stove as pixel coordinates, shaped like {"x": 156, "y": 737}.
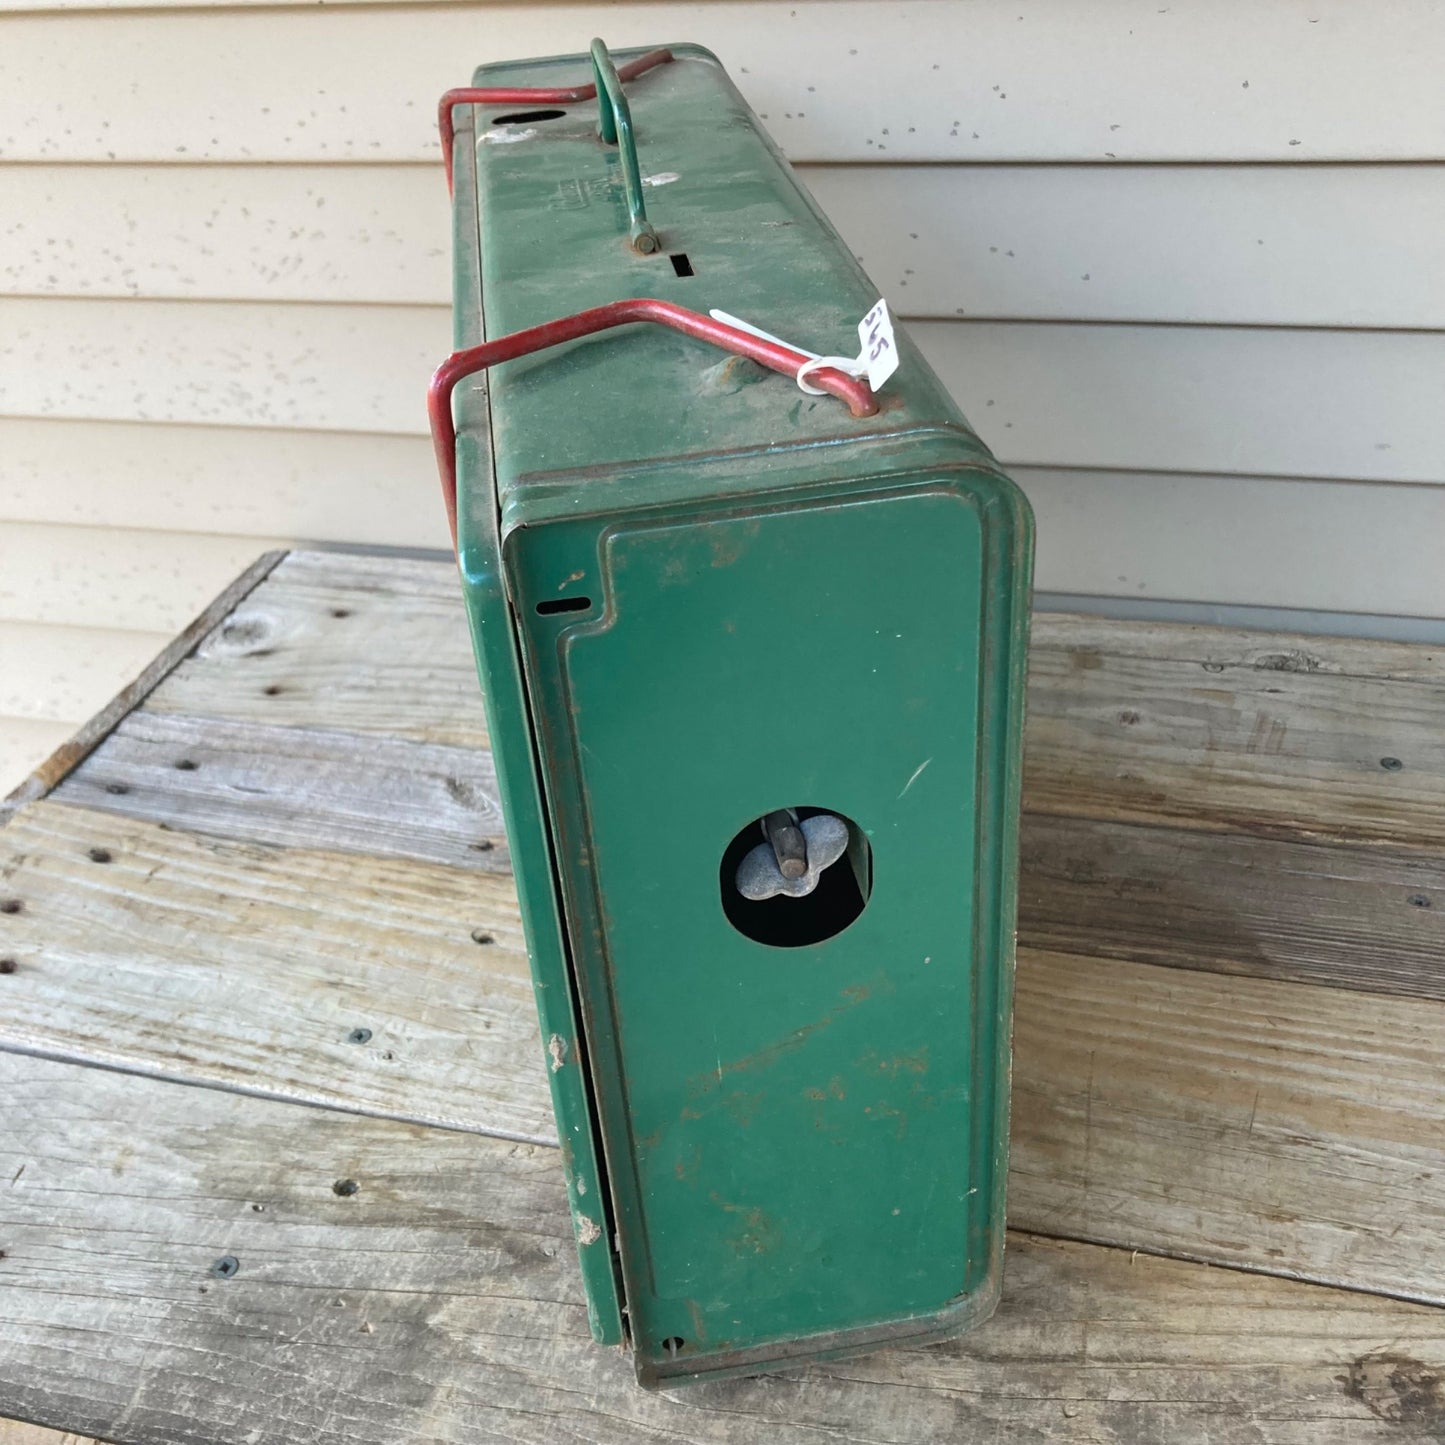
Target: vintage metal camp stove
{"x": 753, "y": 653}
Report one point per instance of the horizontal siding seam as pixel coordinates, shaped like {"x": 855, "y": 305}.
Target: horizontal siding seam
{"x": 440, "y": 308}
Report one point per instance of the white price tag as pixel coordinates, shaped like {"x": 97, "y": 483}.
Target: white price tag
{"x": 880, "y": 351}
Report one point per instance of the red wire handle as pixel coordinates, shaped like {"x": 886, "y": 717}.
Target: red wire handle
{"x": 509, "y": 95}
{"x": 461, "y": 364}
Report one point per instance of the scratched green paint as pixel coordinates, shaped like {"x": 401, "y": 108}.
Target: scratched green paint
{"x": 803, "y": 1149}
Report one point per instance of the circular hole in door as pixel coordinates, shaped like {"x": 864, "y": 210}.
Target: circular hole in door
{"x": 839, "y": 896}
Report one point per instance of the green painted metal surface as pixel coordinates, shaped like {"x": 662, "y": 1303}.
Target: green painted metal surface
{"x": 750, "y": 600}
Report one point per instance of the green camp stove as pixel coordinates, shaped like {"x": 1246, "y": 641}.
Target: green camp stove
{"x": 751, "y": 635}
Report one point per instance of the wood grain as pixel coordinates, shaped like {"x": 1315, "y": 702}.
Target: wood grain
{"x": 343, "y": 792}
{"x": 65, "y": 758}
{"x": 1227, "y": 651}
{"x": 1247, "y": 750}
{"x": 439, "y": 1303}
{"x": 366, "y": 645}
{"x": 1257, "y": 1121}
{"x": 1195, "y": 726}
{"x": 1253, "y": 1122}
{"x": 1245, "y": 1121}
{"x": 1351, "y": 917}
{"x": 251, "y": 967}
{"x": 1371, "y": 919}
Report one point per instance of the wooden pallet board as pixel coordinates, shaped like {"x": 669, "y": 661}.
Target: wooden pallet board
{"x": 438, "y": 1302}
{"x": 373, "y": 645}
{"x": 241, "y": 965}
{"x": 1366, "y": 918}
{"x": 1243, "y": 1121}
{"x": 1168, "y": 1109}
{"x": 309, "y": 787}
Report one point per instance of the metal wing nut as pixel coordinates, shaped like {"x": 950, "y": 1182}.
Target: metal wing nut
{"x": 759, "y": 877}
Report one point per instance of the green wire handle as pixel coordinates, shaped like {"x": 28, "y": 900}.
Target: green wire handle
{"x": 614, "y": 125}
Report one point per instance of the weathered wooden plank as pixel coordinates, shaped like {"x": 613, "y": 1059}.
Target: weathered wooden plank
{"x": 1366, "y": 919}
{"x": 368, "y": 645}
{"x": 1197, "y": 726}
{"x": 1253, "y": 1122}
{"x": 1245, "y": 1121}
{"x": 302, "y": 787}
{"x": 439, "y": 1302}
{"x": 391, "y": 576}
{"x": 90, "y": 734}
{"x": 1360, "y": 918}
{"x": 1286, "y": 753}
{"x": 252, "y": 967}
{"x": 1224, "y": 650}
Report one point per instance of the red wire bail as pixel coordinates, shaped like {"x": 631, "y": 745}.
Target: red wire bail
{"x": 461, "y": 364}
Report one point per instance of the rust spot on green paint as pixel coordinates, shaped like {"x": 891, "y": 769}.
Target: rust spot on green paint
{"x": 743, "y": 1106}
{"x": 914, "y": 1061}
{"x": 763, "y": 1058}
{"x": 757, "y": 1234}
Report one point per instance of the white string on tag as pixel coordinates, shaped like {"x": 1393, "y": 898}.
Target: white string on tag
{"x": 853, "y": 366}
{"x": 877, "y": 359}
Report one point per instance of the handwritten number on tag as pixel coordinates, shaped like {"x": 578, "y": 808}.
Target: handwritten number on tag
{"x": 875, "y": 333}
